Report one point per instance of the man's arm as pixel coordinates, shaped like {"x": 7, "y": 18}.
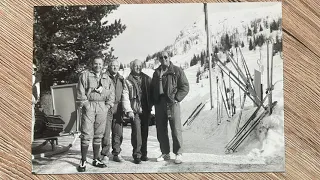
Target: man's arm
{"x": 111, "y": 97}
{"x": 125, "y": 99}
{"x": 81, "y": 89}
{"x": 182, "y": 86}
{"x": 150, "y": 88}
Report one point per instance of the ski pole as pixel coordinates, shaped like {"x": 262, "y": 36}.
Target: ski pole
{"x": 239, "y": 119}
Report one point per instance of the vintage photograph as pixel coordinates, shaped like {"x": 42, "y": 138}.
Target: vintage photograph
{"x": 158, "y": 88}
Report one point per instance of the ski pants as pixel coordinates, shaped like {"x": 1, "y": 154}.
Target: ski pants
{"x": 93, "y": 122}
{"x": 162, "y": 126}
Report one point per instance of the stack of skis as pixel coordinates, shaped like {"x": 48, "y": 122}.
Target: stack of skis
{"x": 244, "y": 81}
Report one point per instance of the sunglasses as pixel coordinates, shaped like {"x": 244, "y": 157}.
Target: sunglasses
{"x": 163, "y": 57}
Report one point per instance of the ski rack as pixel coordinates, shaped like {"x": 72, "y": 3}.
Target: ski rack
{"x": 245, "y": 87}
{"x": 246, "y": 129}
{"x": 248, "y": 80}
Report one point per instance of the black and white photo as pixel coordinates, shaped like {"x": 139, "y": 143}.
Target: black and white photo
{"x": 158, "y": 88}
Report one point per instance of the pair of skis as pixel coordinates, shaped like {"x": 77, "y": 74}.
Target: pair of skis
{"x": 246, "y": 129}
{"x": 194, "y": 114}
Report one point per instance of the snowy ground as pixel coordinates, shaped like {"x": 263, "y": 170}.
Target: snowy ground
{"x": 192, "y": 162}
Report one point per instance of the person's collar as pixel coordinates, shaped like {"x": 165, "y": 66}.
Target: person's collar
{"x": 168, "y": 69}
{"x": 92, "y": 73}
{"x": 135, "y": 74}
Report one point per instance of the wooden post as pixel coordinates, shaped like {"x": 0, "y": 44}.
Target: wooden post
{"x": 208, "y": 52}
{"x": 257, "y": 84}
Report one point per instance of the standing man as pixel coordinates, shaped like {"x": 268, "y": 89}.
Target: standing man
{"x": 96, "y": 95}
{"x": 35, "y": 97}
{"x": 115, "y": 115}
{"x": 140, "y": 99}
{"x": 170, "y": 86}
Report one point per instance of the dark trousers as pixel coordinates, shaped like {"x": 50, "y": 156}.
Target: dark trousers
{"x": 162, "y": 126}
{"x": 139, "y": 134}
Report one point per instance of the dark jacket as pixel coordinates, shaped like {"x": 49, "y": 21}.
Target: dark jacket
{"x": 146, "y": 100}
{"x": 118, "y": 82}
{"x": 174, "y": 82}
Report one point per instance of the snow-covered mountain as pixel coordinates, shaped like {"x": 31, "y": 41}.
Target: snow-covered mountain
{"x": 192, "y": 39}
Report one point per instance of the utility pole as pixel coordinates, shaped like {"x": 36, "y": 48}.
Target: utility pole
{"x": 208, "y": 51}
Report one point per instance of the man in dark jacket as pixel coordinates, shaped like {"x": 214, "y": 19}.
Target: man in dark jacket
{"x": 169, "y": 88}
{"x": 115, "y": 115}
{"x": 140, "y": 98}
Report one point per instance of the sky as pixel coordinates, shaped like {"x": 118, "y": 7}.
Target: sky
{"x": 151, "y": 27}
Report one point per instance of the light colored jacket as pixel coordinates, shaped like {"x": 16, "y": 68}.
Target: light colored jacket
{"x": 88, "y": 82}
{"x": 125, "y": 99}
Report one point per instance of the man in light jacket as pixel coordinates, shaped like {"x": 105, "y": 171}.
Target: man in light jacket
{"x": 96, "y": 95}
{"x": 115, "y": 115}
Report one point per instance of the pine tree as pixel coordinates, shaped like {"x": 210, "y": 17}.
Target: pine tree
{"x": 227, "y": 43}
{"x": 236, "y": 44}
{"x": 279, "y": 23}
{"x": 68, "y": 37}
{"x": 260, "y": 40}
{"x": 261, "y": 29}
{"x": 266, "y": 24}
{"x": 250, "y": 45}
{"x": 216, "y": 50}
{"x": 255, "y": 29}
{"x": 203, "y": 57}
{"x": 249, "y": 32}
{"x": 242, "y": 44}
{"x": 148, "y": 58}
{"x": 121, "y": 66}
{"x": 274, "y": 26}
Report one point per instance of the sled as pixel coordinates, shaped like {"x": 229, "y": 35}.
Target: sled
{"x": 64, "y": 121}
